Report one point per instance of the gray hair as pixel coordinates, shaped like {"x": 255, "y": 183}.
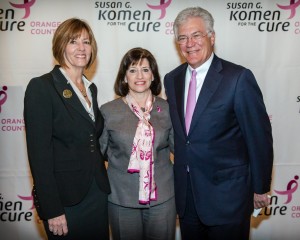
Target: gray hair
{"x": 194, "y": 12}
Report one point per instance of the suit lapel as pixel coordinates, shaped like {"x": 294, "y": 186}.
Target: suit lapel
{"x": 93, "y": 89}
{"x": 179, "y": 83}
{"x": 210, "y": 85}
{"x": 62, "y": 86}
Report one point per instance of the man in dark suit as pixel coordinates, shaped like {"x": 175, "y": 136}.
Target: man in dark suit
{"x": 224, "y": 154}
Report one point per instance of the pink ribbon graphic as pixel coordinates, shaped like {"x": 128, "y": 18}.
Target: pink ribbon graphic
{"x": 291, "y": 7}
{"x": 289, "y": 189}
{"x": 26, "y": 5}
{"x": 4, "y": 98}
{"x": 29, "y": 198}
{"x": 163, "y": 6}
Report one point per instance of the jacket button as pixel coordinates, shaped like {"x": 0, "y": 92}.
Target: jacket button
{"x": 187, "y": 143}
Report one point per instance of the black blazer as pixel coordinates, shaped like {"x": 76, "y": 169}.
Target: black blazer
{"x": 229, "y": 148}
{"x": 62, "y": 143}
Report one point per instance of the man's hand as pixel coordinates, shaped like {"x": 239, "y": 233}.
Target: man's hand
{"x": 261, "y": 200}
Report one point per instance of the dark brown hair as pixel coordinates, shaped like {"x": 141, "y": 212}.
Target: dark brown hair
{"x": 133, "y": 57}
{"x": 67, "y": 30}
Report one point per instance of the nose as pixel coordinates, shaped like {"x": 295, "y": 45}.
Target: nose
{"x": 81, "y": 46}
{"x": 190, "y": 41}
{"x": 139, "y": 73}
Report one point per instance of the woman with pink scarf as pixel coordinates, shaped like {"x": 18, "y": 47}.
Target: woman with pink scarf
{"x": 137, "y": 140}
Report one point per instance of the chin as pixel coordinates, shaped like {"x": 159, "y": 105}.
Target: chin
{"x": 194, "y": 64}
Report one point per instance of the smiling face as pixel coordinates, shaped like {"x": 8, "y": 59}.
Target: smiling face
{"x": 196, "y": 52}
{"x": 139, "y": 77}
{"x": 78, "y": 51}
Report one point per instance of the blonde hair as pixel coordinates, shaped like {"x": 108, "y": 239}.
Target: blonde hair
{"x": 67, "y": 30}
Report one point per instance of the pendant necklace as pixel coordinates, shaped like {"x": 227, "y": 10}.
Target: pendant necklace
{"x": 83, "y": 92}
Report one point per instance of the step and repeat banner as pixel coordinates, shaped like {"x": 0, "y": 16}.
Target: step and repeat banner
{"x": 261, "y": 35}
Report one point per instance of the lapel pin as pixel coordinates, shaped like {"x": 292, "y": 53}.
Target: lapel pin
{"x": 67, "y": 93}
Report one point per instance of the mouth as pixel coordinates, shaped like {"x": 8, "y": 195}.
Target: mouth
{"x": 192, "y": 51}
{"x": 140, "y": 83}
{"x": 81, "y": 56}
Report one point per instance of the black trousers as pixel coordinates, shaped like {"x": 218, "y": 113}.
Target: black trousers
{"x": 192, "y": 228}
{"x": 86, "y": 220}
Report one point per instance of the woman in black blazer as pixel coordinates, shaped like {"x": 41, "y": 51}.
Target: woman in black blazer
{"x": 63, "y": 125}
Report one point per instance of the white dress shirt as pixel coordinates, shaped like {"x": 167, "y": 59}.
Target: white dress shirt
{"x": 201, "y": 74}
{"x": 87, "y": 84}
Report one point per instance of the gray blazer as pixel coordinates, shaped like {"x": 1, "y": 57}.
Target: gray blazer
{"x": 116, "y": 142}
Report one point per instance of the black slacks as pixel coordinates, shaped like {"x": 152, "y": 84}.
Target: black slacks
{"x": 86, "y": 220}
{"x": 192, "y": 228}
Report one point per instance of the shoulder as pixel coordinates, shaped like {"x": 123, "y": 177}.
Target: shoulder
{"x": 113, "y": 105}
{"x": 235, "y": 73}
{"x": 228, "y": 66}
{"x": 161, "y": 105}
{"x": 39, "y": 91}
{"x": 177, "y": 70}
{"x": 46, "y": 78}
{"x": 39, "y": 83}
{"x": 160, "y": 101}
{"x": 170, "y": 78}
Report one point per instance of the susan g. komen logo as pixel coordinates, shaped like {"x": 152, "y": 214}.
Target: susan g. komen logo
{"x": 291, "y": 188}
{"x": 26, "y": 6}
{"x": 3, "y": 97}
{"x": 292, "y": 7}
{"x": 289, "y": 193}
{"x": 30, "y": 198}
{"x": 16, "y": 211}
{"x": 163, "y": 5}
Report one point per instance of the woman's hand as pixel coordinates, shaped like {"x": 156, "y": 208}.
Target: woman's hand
{"x": 58, "y": 225}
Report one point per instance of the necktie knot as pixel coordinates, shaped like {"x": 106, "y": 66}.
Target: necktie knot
{"x": 191, "y": 101}
{"x": 194, "y": 73}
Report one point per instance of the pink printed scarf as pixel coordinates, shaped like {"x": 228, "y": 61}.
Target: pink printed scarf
{"x": 141, "y": 159}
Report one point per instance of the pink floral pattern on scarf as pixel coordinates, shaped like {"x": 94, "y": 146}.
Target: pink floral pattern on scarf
{"x": 141, "y": 159}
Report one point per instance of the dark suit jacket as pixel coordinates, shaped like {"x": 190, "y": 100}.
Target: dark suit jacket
{"x": 62, "y": 143}
{"x": 229, "y": 147}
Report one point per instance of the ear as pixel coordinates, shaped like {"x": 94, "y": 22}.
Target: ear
{"x": 212, "y": 38}
{"x": 125, "y": 80}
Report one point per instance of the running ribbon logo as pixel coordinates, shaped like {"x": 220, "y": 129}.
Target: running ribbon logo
{"x": 26, "y": 5}
{"x": 290, "y": 189}
{"x": 162, "y": 6}
{"x": 27, "y": 198}
{"x": 3, "y": 96}
{"x": 293, "y": 5}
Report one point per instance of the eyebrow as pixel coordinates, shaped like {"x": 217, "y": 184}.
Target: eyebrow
{"x": 190, "y": 34}
{"x": 141, "y": 67}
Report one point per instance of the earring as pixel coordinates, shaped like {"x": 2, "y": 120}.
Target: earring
{"x": 125, "y": 80}
{"x": 152, "y": 79}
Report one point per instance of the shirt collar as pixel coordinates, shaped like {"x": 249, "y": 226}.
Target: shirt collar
{"x": 86, "y": 82}
{"x": 203, "y": 69}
